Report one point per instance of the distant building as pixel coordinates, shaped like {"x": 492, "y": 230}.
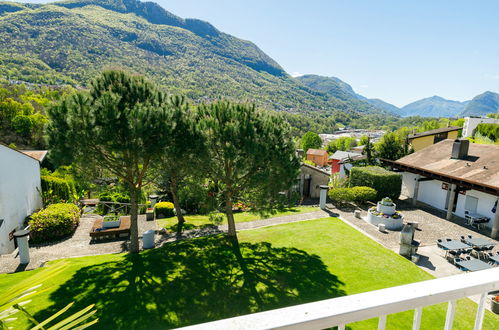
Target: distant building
{"x": 310, "y": 179}
{"x": 20, "y": 189}
{"x": 318, "y": 156}
{"x": 454, "y": 175}
{"x": 338, "y": 157}
{"x": 470, "y": 124}
{"x": 422, "y": 140}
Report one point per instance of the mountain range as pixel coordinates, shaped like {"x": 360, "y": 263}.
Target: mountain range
{"x": 69, "y": 42}
{"x": 434, "y": 106}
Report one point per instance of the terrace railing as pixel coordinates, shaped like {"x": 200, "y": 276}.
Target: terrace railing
{"x": 380, "y": 303}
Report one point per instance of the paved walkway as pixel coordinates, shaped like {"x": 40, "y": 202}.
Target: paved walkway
{"x": 78, "y": 245}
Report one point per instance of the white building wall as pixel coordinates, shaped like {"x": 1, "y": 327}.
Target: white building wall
{"x": 19, "y": 192}
{"x": 470, "y": 123}
{"x": 431, "y": 193}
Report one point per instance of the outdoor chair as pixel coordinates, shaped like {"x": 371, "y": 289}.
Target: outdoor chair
{"x": 455, "y": 261}
{"x": 448, "y": 239}
{"x": 469, "y": 236}
{"x": 463, "y": 239}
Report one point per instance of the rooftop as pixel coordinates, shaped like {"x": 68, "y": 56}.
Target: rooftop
{"x": 481, "y": 166}
{"x": 316, "y": 152}
{"x": 340, "y": 155}
{"x": 434, "y": 132}
{"x": 39, "y": 155}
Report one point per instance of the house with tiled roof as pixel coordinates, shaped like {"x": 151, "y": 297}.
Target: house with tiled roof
{"x": 20, "y": 189}
{"x": 457, "y": 176}
{"x": 317, "y": 156}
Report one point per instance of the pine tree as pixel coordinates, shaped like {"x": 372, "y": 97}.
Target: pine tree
{"x": 120, "y": 125}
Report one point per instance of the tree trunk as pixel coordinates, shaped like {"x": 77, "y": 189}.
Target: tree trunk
{"x": 178, "y": 209}
{"x": 230, "y": 215}
{"x": 134, "y": 228}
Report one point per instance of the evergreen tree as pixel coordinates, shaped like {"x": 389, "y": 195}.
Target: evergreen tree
{"x": 183, "y": 155}
{"x": 120, "y": 125}
{"x": 250, "y": 155}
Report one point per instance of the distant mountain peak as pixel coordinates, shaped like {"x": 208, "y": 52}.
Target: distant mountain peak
{"x": 338, "y": 88}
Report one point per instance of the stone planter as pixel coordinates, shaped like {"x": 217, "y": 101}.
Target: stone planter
{"x": 110, "y": 224}
{"x": 386, "y": 209}
{"x": 494, "y": 306}
{"x": 390, "y": 223}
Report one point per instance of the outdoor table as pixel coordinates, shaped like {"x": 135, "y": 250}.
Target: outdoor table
{"x": 475, "y": 218}
{"x": 495, "y": 259}
{"x": 478, "y": 242}
{"x": 453, "y": 245}
{"x": 473, "y": 265}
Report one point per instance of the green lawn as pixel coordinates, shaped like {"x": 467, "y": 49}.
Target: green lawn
{"x": 197, "y": 221}
{"x": 203, "y": 279}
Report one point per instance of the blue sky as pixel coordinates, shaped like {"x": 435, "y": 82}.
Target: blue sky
{"x": 399, "y": 51}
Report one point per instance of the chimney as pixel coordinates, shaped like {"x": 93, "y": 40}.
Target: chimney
{"x": 460, "y": 149}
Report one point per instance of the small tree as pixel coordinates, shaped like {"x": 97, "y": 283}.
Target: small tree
{"x": 182, "y": 156}
{"x": 250, "y": 155}
{"x": 390, "y": 147}
{"x": 121, "y": 125}
{"x": 310, "y": 140}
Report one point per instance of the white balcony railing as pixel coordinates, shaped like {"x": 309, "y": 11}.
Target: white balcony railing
{"x": 344, "y": 310}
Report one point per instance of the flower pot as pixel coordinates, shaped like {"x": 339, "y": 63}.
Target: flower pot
{"x": 494, "y": 306}
{"x": 386, "y": 209}
{"x": 110, "y": 224}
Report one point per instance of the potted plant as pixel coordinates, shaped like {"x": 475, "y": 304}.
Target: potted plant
{"x": 495, "y": 304}
{"x": 111, "y": 221}
{"x": 386, "y": 206}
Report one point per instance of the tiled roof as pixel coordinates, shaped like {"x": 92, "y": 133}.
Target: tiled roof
{"x": 39, "y": 155}
{"x": 316, "y": 152}
{"x": 481, "y": 166}
{"x": 340, "y": 155}
{"x": 434, "y": 132}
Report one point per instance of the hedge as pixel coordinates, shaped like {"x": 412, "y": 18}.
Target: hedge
{"x": 363, "y": 194}
{"x": 489, "y": 130}
{"x": 57, "y": 190}
{"x": 386, "y": 183}
{"x": 341, "y": 195}
{"x": 354, "y": 194}
{"x": 164, "y": 208}
{"x": 53, "y": 222}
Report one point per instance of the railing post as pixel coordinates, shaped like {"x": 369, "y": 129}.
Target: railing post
{"x": 382, "y": 322}
{"x": 449, "y": 319}
{"x": 416, "y": 324}
{"x": 480, "y": 312}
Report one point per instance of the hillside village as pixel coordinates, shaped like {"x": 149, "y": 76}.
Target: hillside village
{"x": 196, "y": 184}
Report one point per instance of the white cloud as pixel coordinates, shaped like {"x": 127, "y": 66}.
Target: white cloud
{"x": 364, "y": 86}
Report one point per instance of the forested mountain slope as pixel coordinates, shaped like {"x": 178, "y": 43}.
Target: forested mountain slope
{"x": 69, "y": 42}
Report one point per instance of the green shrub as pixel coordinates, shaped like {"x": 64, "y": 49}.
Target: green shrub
{"x": 115, "y": 197}
{"x": 194, "y": 198}
{"x": 57, "y": 190}
{"x": 488, "y": 130}
{"x": 55, "y": 221}
{"x": 164, "y": 208}
{"x": 341, "y": 195}
{"x": 363, "y": 194}
{"x": 386, "y": 183}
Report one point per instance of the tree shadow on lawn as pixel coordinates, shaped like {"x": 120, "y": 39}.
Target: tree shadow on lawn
{"x": 194, "y": 281}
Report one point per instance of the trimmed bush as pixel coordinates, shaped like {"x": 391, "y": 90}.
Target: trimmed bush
{"x": 341, "y": 195}
{"x": 489, "y": 130}
{"x": 57, "y": 190}
{"x": 363, "y": 194}
{"x": 354, "y": 194}
{"x": 386, "y": 183}
{"x": 164, "y": 208}
{"x": 54, "y": 222}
